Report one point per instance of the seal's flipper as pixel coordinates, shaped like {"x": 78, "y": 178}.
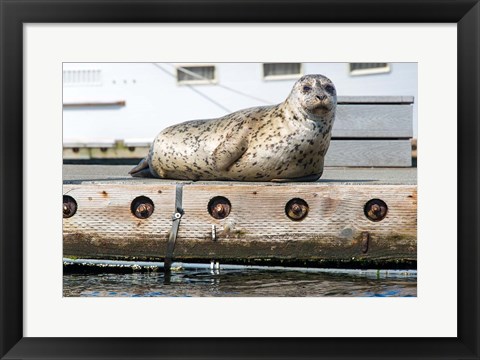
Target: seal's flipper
{"x": 141, "y": 170}
{"x": 230, "y": 150}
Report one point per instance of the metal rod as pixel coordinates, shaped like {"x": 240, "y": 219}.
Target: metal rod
{"x": 96, "y": 104}
{"x": 193, "y": 266}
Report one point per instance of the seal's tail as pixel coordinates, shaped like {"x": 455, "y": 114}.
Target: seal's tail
{"x": 141, "y": 170}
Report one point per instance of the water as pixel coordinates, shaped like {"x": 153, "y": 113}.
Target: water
{"x": 243, "y": 283}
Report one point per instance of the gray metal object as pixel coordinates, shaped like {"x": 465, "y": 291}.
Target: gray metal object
{"x": 177, "y": 216}
{"x": 178, "y": 266}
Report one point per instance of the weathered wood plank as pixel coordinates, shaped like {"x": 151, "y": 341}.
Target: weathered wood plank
{"x": 381, "y": 153}
{"x": 332, "y": 229}
{"x": 104, "y": 226}
{"x": 375, "y": 100}
{"x": 77, "y": 153}
{"x": 335, "y": 229}
{"x": 373, "y": 121}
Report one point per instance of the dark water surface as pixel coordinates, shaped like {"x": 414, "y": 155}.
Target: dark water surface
{"x": 243, "y": 283}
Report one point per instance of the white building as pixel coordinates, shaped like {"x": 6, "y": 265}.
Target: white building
{"x": 124, "y": 101}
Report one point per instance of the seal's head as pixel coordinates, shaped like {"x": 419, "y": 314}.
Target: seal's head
{"x": 315, "y": 95}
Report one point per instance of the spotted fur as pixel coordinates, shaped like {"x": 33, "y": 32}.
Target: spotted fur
{"x": 285, "y": 142}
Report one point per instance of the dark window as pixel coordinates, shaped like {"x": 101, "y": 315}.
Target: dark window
{"x": 272, "y": 70}
{"x": 368, "y": 68}
{"x": 196, "y": 74}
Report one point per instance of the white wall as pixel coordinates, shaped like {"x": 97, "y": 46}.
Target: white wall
{"x": 154, "y": 100}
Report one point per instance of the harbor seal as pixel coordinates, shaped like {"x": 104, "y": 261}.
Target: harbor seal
{"x": 284, "y": 142}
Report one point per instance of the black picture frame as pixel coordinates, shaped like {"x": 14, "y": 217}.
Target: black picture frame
{"x": 465, "y": 13}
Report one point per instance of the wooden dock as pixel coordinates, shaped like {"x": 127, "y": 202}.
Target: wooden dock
{"x": 352, "y": 217}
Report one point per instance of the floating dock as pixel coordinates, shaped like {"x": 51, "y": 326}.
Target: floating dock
{"x": 351, "y": 217}
{"x": 354, "y": 217}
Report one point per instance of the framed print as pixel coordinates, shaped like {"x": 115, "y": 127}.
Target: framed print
{"x": 217, "y": 222}
{"x": 39, "y": 38}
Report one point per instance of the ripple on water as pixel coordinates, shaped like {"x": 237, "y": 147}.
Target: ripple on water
{"x": 238, "y": 283}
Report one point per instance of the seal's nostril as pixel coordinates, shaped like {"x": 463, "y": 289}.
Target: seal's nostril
{"x": 321, "y": 97}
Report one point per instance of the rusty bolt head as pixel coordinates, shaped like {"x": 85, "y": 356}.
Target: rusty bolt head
{"x": 142, "y": 207}
{"x": 220, "y": 210}
{"x": 376, "y": 210}
{"x": 296, "y": 209}
{"x": 69, "y": 206}
{"x": 143, "y": 211}
{"x": 219, "y": 207}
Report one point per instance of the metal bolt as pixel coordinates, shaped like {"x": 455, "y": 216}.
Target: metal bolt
{"x": 365, "y": 241}
{"x": 220, "y": 210}
{"x": 69, "y": 206}
{"x": 219, "y": 207}
{"x": 143, "y": 211}
{"x": 296, "y": 209}
{"x": 214, "y": 232}
{"x": 142, "y": 207}
{"x": 131, "y": 148}
{"x": 376, "y": 210}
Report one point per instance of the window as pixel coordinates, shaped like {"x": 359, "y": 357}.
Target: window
{"x": 196, "y": 74}
{"x": 84, "y": 77}
{"x": 278, "y": 71}
{"x": 369, "y": 68}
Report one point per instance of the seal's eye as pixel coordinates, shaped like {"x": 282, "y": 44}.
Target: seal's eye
{"x": 330, "y": 89}
{"x": 307, "y": 88}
